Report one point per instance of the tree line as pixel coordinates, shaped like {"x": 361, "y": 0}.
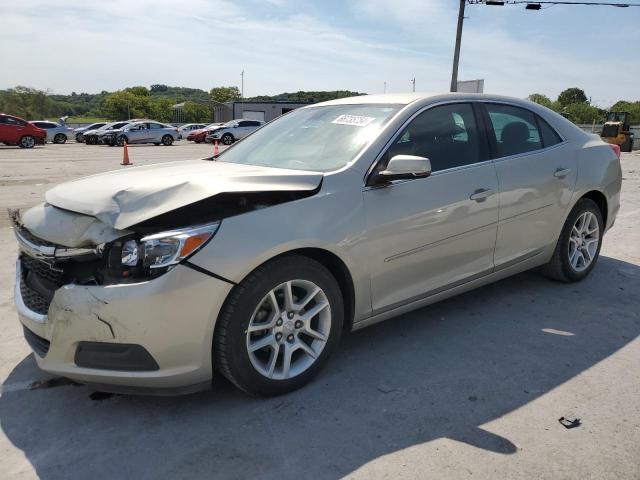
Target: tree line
{"x": 157, "y": 102}
{"x": 139, "y": 102}
{"x": 574, "y": 105}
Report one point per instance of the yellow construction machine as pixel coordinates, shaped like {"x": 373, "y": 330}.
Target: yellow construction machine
{"x": 617, "y": 130}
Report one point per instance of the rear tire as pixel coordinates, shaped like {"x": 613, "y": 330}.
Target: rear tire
{"x": 59, "y": 138}
{"x": 578, "y": 247}
{"x": 27, "y": 142}
{"x": 167, "y": 140}
{"x": 263, "y": 370}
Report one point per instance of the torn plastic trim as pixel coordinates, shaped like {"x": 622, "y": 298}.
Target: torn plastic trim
{"x": 27, "y": 243}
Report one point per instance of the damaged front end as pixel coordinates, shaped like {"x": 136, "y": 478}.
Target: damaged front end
{"x": 43, "y": 266}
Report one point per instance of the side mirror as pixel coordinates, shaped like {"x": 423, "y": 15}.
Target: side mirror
{"x": 402, "y": 167}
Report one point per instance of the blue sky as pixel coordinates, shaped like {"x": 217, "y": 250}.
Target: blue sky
{"x": 290, "y": 45}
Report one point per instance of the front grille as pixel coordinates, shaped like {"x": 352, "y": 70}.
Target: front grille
{"x": 38, "y": 282}
{"x": 33, "y": 300}
{"x": 38, "y": 344}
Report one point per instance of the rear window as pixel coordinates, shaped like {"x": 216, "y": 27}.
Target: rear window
{"x": 549, "y": 136}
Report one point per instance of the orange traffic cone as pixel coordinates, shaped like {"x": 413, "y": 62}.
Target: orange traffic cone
{"x": 125, "y": 155}
{"x": 215, "y": 148}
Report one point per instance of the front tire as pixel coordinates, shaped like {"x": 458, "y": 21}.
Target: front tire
{"x": 279, "y": 326}
{"x": 167, "y": 140}
{"x": 121, "y": 140}
{"x": 59, "y": 138}
{"x": 227, "y": 139}
{"x": 27, "y": 142}
{"x": 579, "y": 244}
{"x": 79, "y": 138}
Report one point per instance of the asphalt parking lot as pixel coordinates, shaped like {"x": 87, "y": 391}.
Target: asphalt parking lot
{"x": 472, "y": 387}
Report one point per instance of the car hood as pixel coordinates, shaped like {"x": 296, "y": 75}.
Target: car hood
{"x": 123, "y": 198}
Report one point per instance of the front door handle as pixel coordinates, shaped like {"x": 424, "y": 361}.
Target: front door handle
{"x": 481, "y": 194}
{"x": 561, "y": 172}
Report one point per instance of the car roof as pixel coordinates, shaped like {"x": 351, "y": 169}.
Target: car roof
{"x": 407, "y": 98}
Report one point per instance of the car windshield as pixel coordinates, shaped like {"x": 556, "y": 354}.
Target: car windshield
{"x": 320, "y": 139}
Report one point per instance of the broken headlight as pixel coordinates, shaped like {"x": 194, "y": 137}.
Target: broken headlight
{"x": 154, "y": 254}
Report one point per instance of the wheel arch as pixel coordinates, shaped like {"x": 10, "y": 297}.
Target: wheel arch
{"x": 600, "y": 200}
{"x": 336, "y": 267}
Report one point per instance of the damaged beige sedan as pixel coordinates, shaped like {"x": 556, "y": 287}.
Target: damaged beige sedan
{"x": 330, "y": 218}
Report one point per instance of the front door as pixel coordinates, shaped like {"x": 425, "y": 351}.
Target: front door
{"x": 429, "y": 234}
{"x": 537, "y": 173}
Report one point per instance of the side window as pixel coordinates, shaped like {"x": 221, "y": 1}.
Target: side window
{"x": 515, "y": 129}
{"x": 549, "y": 136}
{"x": 446, "y": 135}
{"x": 14, "y": 121}
{"x": 243, "y": 124}
{"x": 155, "y": 126}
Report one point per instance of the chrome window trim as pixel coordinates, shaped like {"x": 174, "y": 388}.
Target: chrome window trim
{"x": 401, "y": 129}
{"x": 526, "y": 154}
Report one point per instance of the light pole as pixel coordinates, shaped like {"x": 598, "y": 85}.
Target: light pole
{"x": 413, "y": 82}
{"x": 385, "y": 88}
{"x": 242, "y": 85}
{"x": 456, "y": 52}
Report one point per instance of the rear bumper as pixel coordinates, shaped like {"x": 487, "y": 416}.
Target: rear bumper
{"x": 172, "y": 318}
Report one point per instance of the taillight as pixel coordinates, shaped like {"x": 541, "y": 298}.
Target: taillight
{"x": 616, "y": 149}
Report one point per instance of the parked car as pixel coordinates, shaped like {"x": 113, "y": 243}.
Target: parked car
{"x": 17, "y": 131}
{"x": 186, "y": 129}
{"x": 233, "y": 130}
{"x": 79, "y": 132}
{"x": 56, "y": 132}
{"x": 141, "y": 132}
{"x": 199, "y": 136}
{"x": 92, "y": 137}
{"x": 335, "y": 216}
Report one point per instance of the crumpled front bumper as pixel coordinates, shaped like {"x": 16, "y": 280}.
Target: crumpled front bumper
{"x": 172, "y": 317}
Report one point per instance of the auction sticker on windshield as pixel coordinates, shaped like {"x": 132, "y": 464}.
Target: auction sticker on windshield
{"x": 355, "y": 120}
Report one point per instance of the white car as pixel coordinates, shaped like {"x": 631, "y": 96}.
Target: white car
{"x": 186, "y": 129}
{"x": 233, "y": 130}
{"x": 56, "y": 132}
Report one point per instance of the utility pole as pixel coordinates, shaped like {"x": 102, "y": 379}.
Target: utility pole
{"x": 413, "y": 81}
{"x": 385, "y": 87}
{"x": 242, "y": 85}
{"x": 456, "y": 54}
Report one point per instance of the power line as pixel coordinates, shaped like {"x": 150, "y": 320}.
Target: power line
{"x": 530, "y": 2}
{"x": 530, "y": 5}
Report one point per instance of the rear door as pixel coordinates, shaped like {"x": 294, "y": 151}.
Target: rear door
{"x": 537, "y": 172}
{"x": 429, "y": 234}
{"x": 13, "y": 128}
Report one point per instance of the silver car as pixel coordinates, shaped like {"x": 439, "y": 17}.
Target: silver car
{"x": 331, "y": 218}
{"x": 233, "y": 131}
{"x": 92, "y": 137}
{"x": 142, "y": 132}
{"x": 79, "y": 132}
{"x": 56, "y": 132}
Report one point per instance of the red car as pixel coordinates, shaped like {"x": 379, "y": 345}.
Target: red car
{"x": 197, "y": 136}
{"x": 16, "y": 131}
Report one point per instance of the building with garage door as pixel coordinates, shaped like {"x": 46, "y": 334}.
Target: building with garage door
{"x": 264, "y": 111}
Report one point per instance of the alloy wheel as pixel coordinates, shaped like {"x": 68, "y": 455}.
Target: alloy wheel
{"x": 583, "y": 241}
{"x": 289, "y": 329}
{"x": 27, "y": 141}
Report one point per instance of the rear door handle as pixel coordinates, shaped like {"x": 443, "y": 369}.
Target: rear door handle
{"x": 481, "y": 194}
{"x": 562, "y": 172}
